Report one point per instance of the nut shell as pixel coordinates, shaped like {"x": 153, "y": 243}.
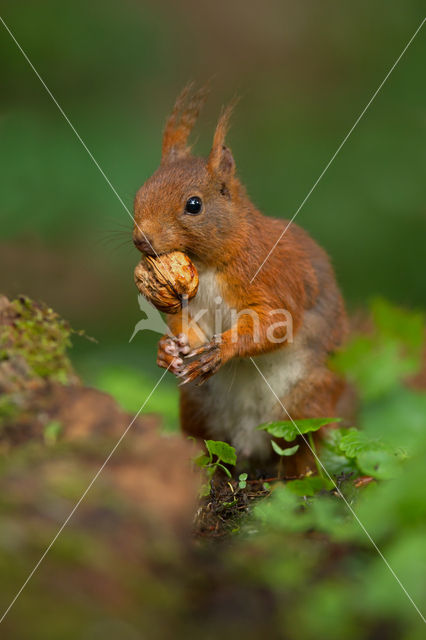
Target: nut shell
{"x": 165, "y": 279}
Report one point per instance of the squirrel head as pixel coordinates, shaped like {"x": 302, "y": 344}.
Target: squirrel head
{"x": 189, "y": 204}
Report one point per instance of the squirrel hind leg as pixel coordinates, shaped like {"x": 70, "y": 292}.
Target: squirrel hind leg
{"x": 192, "y": 419}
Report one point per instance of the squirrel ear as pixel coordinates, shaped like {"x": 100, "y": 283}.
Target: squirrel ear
{"x": 223, "y": 163}
{"x": 180, "y": 123}
{"x": 220, "y": 159}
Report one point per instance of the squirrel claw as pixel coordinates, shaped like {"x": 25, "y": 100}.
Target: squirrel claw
{"x": 185, "y": 381}
{"x": 208, "y": 346}
{"x": 207, "y": 360}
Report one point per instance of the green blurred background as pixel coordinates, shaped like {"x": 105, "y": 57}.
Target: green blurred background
{"x": 304, "y": 72}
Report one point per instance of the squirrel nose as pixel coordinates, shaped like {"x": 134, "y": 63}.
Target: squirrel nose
{"x": 143, "y": 243}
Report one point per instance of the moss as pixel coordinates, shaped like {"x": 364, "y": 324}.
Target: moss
{"x": 8, "y": 408}
{"x": 35, "y": 333}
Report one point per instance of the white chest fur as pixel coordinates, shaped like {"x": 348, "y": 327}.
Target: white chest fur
{"x": 236, "y": 399}
{"x": 208, "y": 309}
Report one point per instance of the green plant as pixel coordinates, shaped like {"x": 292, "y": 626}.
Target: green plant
{"x": 284, "y": 452}
{"x": 288, "y": 430}
{"x": 242, "y": 480}
{"x": 218, "y": 455}
{"x": 328, "y": 566}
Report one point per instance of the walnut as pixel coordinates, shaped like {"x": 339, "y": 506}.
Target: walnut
{"x": 165, "y": 279}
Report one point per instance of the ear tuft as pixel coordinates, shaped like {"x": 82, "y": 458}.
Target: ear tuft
{"x": 220, "y": 159}
{"x": 181, "y": 121}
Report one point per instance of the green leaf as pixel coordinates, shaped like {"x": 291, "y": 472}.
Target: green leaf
{"x": 290, "y": 429}
{"x": 222, "y": 450}
{"x": 382, "y": 465}
{"x": 210, "y": 470}
{"x": 284, "y": 452}
{"x": 356, "y": 442}
{"x": 309, "y": 486}
{"x": 229, "y": 504}
{"x": 205, "y": 490}
{"x": 333, "y": 458}
{"x": 201, "y": 460}
{"x": 373, "y": 457}
{"x": 242, "y": 480}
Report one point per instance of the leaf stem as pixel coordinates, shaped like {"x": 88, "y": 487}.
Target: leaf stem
{"x": 314, "y": 450}
{"x": 280, "y": 468}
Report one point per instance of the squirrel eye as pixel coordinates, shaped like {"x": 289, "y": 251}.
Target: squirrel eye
{"x": 193, "y": 205}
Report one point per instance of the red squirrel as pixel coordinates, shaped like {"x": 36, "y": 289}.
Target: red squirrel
{"x": 199, "y": 206}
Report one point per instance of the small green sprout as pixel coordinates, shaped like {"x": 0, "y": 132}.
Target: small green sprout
{"x": 224, "y": 454}
{"x": 242, "y": 480}
{"x": 284, "y": 452}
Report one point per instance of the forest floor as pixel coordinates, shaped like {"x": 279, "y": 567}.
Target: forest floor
{"x": 154, "y": 545}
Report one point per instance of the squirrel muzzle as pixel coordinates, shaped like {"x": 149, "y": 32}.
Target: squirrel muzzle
{"x": 143, "y": 243}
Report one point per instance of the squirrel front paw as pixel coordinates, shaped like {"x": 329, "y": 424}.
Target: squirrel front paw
{"x": 205, "y": 361}
{"x": 171, "y": 351}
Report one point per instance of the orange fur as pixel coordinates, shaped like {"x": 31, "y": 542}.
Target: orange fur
{"x": 180, "y": 123}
